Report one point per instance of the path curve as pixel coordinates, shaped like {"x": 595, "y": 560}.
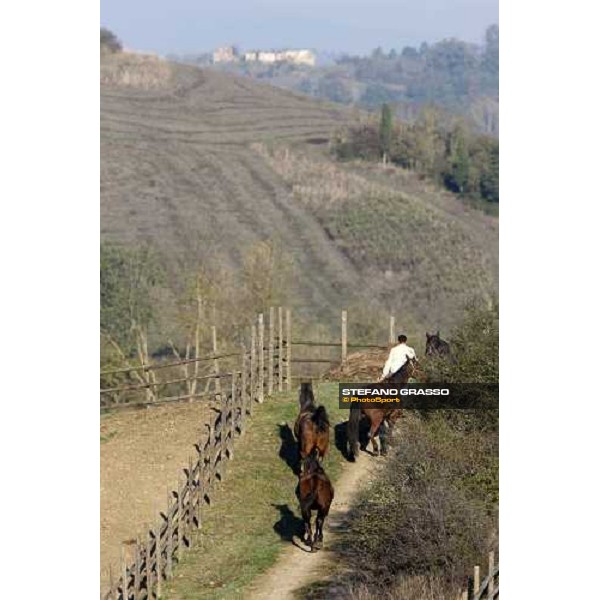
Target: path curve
{"x": 296, "y": 568}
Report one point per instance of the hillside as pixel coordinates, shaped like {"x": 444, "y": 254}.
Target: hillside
{"x": 202, "y": 164}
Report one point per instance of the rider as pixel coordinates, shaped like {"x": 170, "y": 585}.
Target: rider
{"x": 399, "y": 354}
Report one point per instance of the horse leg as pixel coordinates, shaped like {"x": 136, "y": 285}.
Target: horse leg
{"x": 319, "y": 530}
{"x": 372, "y": 435}
{"x": 383, "y": 435}
{"x": 308, "y": 540}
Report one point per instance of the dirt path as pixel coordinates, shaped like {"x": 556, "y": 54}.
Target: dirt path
{"x": 142, "y": 453}
{"x": 297, "y": 567}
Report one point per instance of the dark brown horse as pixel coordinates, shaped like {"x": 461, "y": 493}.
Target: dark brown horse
{"x": 379, "y": 418}
{"x": 436, "y": 346}
{"x": 312, "y": 425}
{"x": 316, "y": 493}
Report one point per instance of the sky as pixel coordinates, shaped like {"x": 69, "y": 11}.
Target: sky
{"x": 355, "y": 26}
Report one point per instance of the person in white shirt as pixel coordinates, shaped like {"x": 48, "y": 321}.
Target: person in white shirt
{"x": 399, "y": 354}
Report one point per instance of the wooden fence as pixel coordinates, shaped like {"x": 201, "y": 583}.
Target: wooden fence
{"x": 489, "y": 588}
{"x": 263, "y": 369}
{"x": 269, "y": 358}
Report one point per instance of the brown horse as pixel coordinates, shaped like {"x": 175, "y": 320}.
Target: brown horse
{"x": 316, "y": 493}
{"x": 378, "y": 416}
{"x": 312, "y": 425}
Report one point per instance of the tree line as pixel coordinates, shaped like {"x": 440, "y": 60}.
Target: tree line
{"x": 141, "y": 309}
{"x": 444, "y": 149}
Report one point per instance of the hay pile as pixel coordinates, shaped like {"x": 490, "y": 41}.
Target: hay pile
{"x": 366, "y": 365}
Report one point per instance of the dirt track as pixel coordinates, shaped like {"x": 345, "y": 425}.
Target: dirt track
{"x": 142, "y": 453}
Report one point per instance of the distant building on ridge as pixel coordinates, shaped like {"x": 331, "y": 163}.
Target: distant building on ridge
{"x": 228, "y": 54}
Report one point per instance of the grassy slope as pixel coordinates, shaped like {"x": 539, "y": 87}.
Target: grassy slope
{"x": 423, "y": 249}
{"x": 240, "y": 536}
{"x": 179, "y": 170}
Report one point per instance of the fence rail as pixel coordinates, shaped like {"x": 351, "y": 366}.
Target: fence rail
{"x": 156, "y": 366}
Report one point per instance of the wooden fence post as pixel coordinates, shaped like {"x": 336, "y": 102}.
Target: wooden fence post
{"x": 157, "y": 558}
{"x": 191, "y": 493}
{"x": 169, "y": 540}
{"x": 288, "y": 335}
{"x": 280, "y": 351}
{"x": 216, "y": 362}
{"x": 253, "y": 367}
{"x": 223, "y": 437}
{"x": 244, "y": 390}
{"x": 124, "y": 576}
{"x": 271, "y": 350}
{"x": 180, "y": 520}
{"x": 148, "y": 564}
{"x": 476, "y": 579}
{"x": 261, "y": 358}
{"x": 137, "y": 579}
{"x": 233, "y": 417}
{"x": 344, "y": 337}
{"x": 490, "y": 591}
{"x": 392, "y": 329}
{"x": 200, "y": 487}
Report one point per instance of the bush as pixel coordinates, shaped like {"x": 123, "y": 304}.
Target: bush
{"x": 109, "y": 42}
{"x": 128, "y": 276}
{"x": 428, "y": 518}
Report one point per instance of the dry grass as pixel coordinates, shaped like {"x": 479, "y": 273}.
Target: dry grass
{"x": 140, "y": 71}
{"x": 420, "y": 249}
{"x": 360, "y": 366}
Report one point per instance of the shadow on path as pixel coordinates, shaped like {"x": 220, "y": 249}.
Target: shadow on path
{"x": 289, "y": 525}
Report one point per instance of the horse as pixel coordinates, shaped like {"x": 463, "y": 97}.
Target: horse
{"x": 312, "y": 425}
{"x": 316, "y": 493}
{"x": 378, "y": 416}
{"x": 436, "y": 346}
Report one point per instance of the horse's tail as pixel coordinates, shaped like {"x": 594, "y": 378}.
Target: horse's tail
{"x": 352, "y": 431}
{"x": 320, "y": 419}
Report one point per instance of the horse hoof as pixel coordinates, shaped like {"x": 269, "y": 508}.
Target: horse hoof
{"x": 314, "y": 548}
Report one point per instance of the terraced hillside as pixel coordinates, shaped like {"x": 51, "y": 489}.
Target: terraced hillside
{"x": 200, "y": 164}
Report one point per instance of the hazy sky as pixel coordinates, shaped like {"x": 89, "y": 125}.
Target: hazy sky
{"x": 165, "y": 26}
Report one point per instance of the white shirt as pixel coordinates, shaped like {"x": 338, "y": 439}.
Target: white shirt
{"x": 398, "y": 356}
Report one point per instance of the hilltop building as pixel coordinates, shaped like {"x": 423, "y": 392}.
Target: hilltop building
{"x": 297, "y": 57}
{"x": 228, "y": 54}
